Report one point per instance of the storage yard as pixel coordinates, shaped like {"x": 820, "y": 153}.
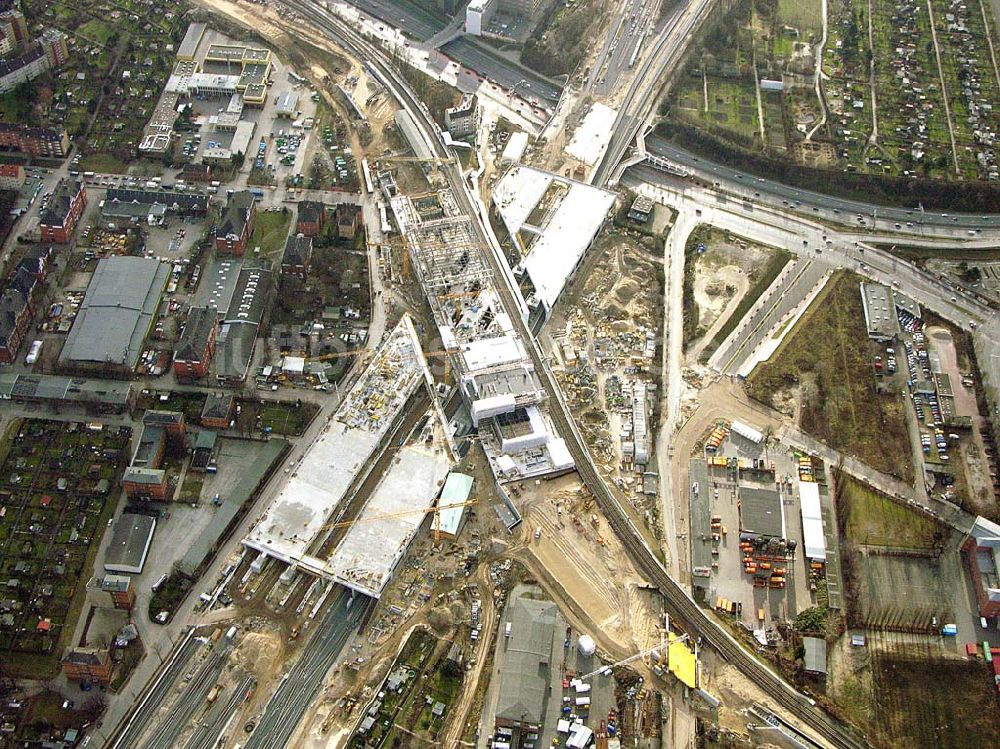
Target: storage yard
{"x": 758, "y": 535}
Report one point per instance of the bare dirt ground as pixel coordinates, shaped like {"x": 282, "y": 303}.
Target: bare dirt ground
{"x": 605, "y": 318}
{"x": 578, "y": 557}
{"x": 716, "y": 296}
{"x": 721, "y": 280}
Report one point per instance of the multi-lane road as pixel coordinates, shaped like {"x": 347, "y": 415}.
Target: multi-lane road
{"x": 667, "y": 48}
{"x": 911, "y": 221}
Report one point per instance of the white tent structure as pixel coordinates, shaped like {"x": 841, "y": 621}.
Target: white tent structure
{"x": 812, "y": 521}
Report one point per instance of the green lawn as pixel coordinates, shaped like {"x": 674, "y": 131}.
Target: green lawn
{"x": 270, "y": 232}
{"x": 95, "y": 31}
{"x": 873, "y": 519}
{"x": 103, "y": 162}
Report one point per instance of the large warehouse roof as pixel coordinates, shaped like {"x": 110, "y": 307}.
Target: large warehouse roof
{"x": 121, "y": 302}
{"x": 524, "y": 692}
{"x": 761, "y": 512}
{"x": 130, "y": 544}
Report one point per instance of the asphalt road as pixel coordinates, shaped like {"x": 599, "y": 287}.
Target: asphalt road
{"x": 633, "y": 27}
{"x": 665, "y": 51}
{"x": 816, "y": 204}
{"x": 530, "y": 85}
{"x": 412, "y": 20}
{"x": 304, "y": 679}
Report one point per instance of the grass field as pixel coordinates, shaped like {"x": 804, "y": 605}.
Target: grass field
{"x": 927, "y": 702}
{"x": 827, "y": 357}
{"x": 103, "y": 162}
{"x": 872, "y": 519}
{"x": 270, "y": 232}
{"x": 95, "y": 31}
{"x": 804, "y": 15}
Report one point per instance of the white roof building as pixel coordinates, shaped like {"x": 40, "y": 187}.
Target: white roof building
{"x": 812, "y": 521}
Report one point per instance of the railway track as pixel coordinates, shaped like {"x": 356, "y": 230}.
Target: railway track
{"x": 682, "y": 606}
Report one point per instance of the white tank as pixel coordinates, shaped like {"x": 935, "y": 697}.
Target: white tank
{"x": 586, "y": 646}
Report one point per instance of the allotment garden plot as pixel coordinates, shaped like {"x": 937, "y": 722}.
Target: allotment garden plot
{"x": 56, "y": 479}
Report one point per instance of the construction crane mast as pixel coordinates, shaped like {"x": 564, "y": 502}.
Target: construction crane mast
{"x": 658, "y": 652}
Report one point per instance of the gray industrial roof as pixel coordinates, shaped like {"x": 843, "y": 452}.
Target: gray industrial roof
{"x": 249, "y": 296}
{"x": 130, "y": 543}
{"x": 218, "y": 284}
{"x": 528, "y": 662}
{"x": 880, "y": 310}
{"x": 232, "y": 359}
{"x": 121, "y": 302}
{"x": 410, "y": 131}
{"x": 70, "y": 389}
{"x": 192, "y": 38}
{"x": 761, "y": 513}
{"x": 815, "y": 659}
{"x": 133, "y": 209}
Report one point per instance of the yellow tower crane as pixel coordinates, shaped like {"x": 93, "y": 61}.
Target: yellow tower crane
{"x": 436, "y": 509}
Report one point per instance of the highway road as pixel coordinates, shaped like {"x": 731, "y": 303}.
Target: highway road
{"x": 644, "y": 91}
{"x": 824, "y": 248}
{"x": 304, "y": 680}
{"x": 910, "y": 220}
{"x": 411, "y": 19}
{"x": 630, "y": 31}
{"x": 530, "y": 86}
{"x": 679, "y": 603}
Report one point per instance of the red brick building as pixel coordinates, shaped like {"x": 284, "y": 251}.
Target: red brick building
{"x": 11, "y": 176}
{"x": 146, "y": 483}
{"x": 217, "y": 410}
{"x": 121, "y": 590}
{"x": 15, "y": 318}
{"x": 311, "y": 218}
{"x": 348, "y": 219}
{"x": 65, "y": 207}
{"x": 197, "y": 344}
{"x": 38, "y": 141}
{"x": 88, "y": 665}
{"x": 236, "y": 226}
{"x": 982, "y": 553}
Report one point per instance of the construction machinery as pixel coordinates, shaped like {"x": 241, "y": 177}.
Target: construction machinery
{"x": 657, "y": 653}
{"x": 441, "y": 354}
